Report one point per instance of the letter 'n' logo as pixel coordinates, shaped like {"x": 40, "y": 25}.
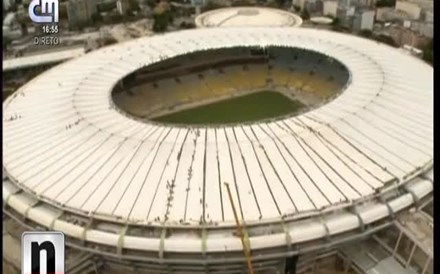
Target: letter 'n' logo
{"x": 42, "y": 253}
{"x": 36, "y": 248}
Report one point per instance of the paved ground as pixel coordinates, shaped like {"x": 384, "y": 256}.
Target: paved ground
{"x": 420, "y": 227}
{"x": 11, "y": 246}
{"x": 9, "y": 269}
{"x": 125, "y": 32}
{"x": 11, "y": 255}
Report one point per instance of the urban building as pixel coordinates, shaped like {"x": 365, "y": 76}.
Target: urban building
{"x": 105, "y": 32}
{"x": 349, "y": 3}
{"x": 310, "y": 5}
{"x": 381, "y": 13}
{"x": 79, "y": 12}
{"x": 299, "y": 3}
{"x": 319, "y": 6}
{"x": 122, "y": 6}
{"x": 7, "y": 4}
{"x": 92, "y": 7}
{"x": 412, "y": 9}
{"x": 427, "y": 29}
{"x": 405, "y": 36}
{"x": 387, "y": 14}
{"x": 363, "y": 20}
{"x": 330, "y": 8}
{"x": 423, "y": 4}
{"x": 10, "y": 21}
{"x": 428, "y": 16}
{"x": 345, "y": 13}
{"x": 407, "y": 24}
{"x": 11, "y": 28}
{"x": 368, "y": 3}
{"x": 198, "y": 2}
{"x": 313, "y": 6}
{"x": 424, "y": 29}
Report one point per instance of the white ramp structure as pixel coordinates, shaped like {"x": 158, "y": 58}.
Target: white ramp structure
{"x": 42, "y": 59}
{"x": 150, "y": 193}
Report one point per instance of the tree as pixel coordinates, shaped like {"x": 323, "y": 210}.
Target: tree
{"x": 152, "y": 3}
{"x": 428, "y": 52}
{"x": 24, "y": 28}
{"x": 428, "y": 56}
{"x": 385, "y": 39}
{"x": 160, "y": 23}
{"x": 336, "y": 21}
{"x": 96, "y": 17}
{"x": 134, "y": 5}
{"x": 366, "y": 33}
{"x": 385, "y": 3}
{"x": 431, "y": 44}
{"x": 162, "y": 17}
{"x": 281, "y": 3}
{"x": 211, "y": 6}
{"x": 305, "y": 15}
{"x": 13, "y": 8}
{"x": 241, "y": 3}
{"x": 186, "y": 25}
{"x": 297, "y": 8}
{"x": 108, "y": 41}
{"x": 6, "y": 42}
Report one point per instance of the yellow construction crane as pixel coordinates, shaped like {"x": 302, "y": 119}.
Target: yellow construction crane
{"x": 246, "y": 249}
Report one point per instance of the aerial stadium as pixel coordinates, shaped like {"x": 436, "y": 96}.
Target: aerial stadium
{"x": 127, "y": 149}
{"x": 247, "y": 16}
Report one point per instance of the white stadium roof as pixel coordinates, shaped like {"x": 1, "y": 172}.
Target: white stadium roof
{"x": 67, "y": 145}
{"x": 41, "y": 59}
{"x": 247, "y": 17}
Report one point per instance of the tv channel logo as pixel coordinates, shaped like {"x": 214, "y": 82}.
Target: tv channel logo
{"x": 49, "y": 11}
{"x": 42, "y": 253}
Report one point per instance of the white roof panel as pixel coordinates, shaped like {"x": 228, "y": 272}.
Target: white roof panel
{"x": 41, "y": 59}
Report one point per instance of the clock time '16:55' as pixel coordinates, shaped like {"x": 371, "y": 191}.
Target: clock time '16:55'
{"x": 50, "y": 29}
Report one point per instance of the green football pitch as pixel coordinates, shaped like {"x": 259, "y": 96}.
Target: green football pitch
{"x": 247, "y": 108}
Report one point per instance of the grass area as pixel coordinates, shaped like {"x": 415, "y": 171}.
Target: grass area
{"x": 247, "y": 108}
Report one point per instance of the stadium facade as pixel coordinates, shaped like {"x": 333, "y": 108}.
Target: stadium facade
{"x": 152, "y": 195}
